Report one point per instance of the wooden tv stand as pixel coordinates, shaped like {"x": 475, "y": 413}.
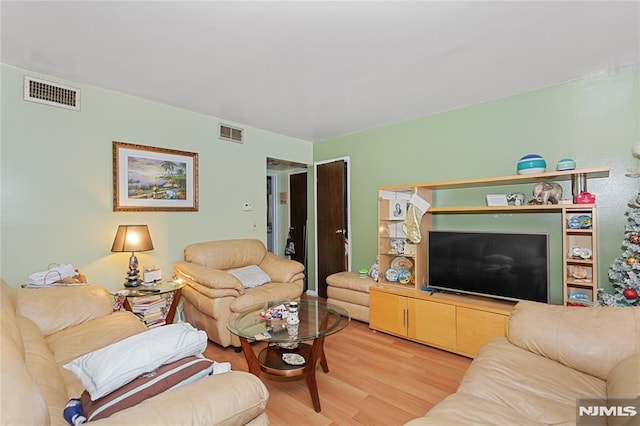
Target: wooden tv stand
{"x": 452, "y": 322}
{"x": 461, "y": 323}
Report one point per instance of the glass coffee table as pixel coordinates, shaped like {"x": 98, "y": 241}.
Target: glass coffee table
{"x": 287, "y": 354}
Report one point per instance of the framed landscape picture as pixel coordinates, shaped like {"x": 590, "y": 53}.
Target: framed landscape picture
{"x": 146, "y": 178}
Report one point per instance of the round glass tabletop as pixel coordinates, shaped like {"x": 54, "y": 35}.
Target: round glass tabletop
{"x": 147, "y": 290}
{"x": 316, "y": 319}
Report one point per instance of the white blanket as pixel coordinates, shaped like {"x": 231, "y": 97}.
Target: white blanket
{"x": 52, "y": 275}
{"x": 107, "y": 369}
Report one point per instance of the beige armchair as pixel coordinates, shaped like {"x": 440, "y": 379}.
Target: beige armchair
{"x": 213, "y": 296}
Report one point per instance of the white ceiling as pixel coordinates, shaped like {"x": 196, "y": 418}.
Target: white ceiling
{"x": 317, "y": 70}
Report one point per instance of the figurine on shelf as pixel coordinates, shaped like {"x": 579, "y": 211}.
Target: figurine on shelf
{"x": 585, "y": 198}
{"x": 546, "y": 193}
{"x": 517, "y": 198}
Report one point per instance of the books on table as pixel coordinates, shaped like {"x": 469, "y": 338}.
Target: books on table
{"x": 150, "y": 309}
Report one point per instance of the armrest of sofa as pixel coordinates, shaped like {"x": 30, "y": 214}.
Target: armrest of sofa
{"x": 57, "y": 308}
{"x": 235, "y": 397}
{"x": 207, "y": 276}
{"x": 281, "y": 269}
{"x": 592, "y": 339}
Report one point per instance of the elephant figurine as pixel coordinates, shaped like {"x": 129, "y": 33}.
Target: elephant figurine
{"x": 546, "y": 193}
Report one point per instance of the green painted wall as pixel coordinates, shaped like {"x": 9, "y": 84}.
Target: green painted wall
{"x": 595, "y": 120}
{"x": 56, "y": 177}
{"x": 56, "y": 173}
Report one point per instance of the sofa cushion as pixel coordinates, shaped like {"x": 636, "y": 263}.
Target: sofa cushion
{"x": 350, "y": 281}
{"x": 146, "y": 386}
{"x": 251, "y": 276}
{"x": 73, "y": 342}
{"x": 540, "y": 389}
{"x": 9, "y": 325}
{"x": 592, "y": 340}
{"x": 107, "y": 369}
{"x": 349, "y": 296}
{"x": 43, "y": 368}
{"x": 226, "y": 254}
{"x": 624, "y": 383}
{"x": 22, "y": 403}
{"x": 208, "y": 278}
{"x": 65, "y": 306}
{"x": 271, "y": 292}
{"x": 281, "y": 269}
{"x": 464, "y": 409}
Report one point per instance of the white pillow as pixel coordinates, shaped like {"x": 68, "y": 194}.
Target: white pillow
{"x": 107, "y": 369}
{"x": 251, "y": 276}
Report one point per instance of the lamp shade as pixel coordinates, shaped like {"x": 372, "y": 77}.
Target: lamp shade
{"x": 132, "y": 238}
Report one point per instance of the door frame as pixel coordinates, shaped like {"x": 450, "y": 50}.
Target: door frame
{"x": 347, "y": 161}
{"x": 306, "y": 233}
{"x": 273, "y": 204}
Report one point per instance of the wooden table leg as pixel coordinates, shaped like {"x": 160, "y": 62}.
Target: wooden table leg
{"x": 250, "y": 356}
{"x": 317, "y": 352}
{"x": 323, "y": 359}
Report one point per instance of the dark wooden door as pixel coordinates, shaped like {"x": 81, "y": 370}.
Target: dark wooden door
{"x": 331, "y": 190}
{"x": 298, "y": 219}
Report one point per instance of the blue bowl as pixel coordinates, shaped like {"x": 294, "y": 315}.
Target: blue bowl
{"x": 531, "y": 163}
{"x": 566, "y": 164}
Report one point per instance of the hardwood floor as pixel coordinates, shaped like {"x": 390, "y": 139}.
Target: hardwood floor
{"x": 373, "y": 379}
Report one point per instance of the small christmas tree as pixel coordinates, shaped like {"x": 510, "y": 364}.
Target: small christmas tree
{"x": 624, "y": 272}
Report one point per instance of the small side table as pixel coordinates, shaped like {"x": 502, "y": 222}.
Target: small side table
{"x": 170, "y": 290}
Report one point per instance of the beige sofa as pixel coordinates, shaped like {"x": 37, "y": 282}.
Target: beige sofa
{"x": 43, "y": 329}
{"x": 552, "y": 357}
{"x": 212, "y": 296}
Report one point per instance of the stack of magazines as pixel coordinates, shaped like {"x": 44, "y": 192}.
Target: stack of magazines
{"x": 150, "y": 309}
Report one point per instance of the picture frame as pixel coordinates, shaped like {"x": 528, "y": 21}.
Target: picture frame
{"x": 494, "y": 200}
{"x": 397, "y": 209}
{"x": 147, "y": 178}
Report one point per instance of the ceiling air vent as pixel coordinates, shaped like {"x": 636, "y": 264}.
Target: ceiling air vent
{"x": 48, "y": 93}
{"x": 231, "y": 134}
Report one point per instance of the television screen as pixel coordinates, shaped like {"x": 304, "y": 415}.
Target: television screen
{"x": 503, "y": 265}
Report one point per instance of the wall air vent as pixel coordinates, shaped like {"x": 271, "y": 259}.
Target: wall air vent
{"x": 48, "y": 93}
{"x": 231, "y": 134}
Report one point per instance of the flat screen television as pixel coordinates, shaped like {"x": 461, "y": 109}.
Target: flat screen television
{"x": 509, "y": 266}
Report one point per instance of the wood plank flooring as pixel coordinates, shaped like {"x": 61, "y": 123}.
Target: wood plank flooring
{"x": 373, "y": 379}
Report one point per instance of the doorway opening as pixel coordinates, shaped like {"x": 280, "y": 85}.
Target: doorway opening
{"x": 287, "y": 210}
{"x": 272, "y": 212}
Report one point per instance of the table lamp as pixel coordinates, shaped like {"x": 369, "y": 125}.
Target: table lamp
{"x": 132, "y": 238}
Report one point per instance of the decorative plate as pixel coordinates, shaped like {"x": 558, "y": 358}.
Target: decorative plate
{"x": 578, "y": 295}
{"x": 585, "y": 221}
{"x": 391, "y": 275}
{"x": 579, "y": 273}
{"x": 585, "y": 253}
{"x": 399, "y": 263}
{"x": 574, "y": 222}
{"x": 293, "y": 359}
{"x": 404, "y": 277}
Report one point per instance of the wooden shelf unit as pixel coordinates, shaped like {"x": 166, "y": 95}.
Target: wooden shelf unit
{"x": 579, "y": 275}
{"x": 391, "y": 301}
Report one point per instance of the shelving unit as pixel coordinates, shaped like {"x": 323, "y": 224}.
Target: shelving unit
{"x": 396, "y": 307}
{"x": 389, "y": 195}
{"x": 579, "y": 265}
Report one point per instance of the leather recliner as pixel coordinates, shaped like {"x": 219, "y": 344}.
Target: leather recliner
{"x": 212, "y": 297}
